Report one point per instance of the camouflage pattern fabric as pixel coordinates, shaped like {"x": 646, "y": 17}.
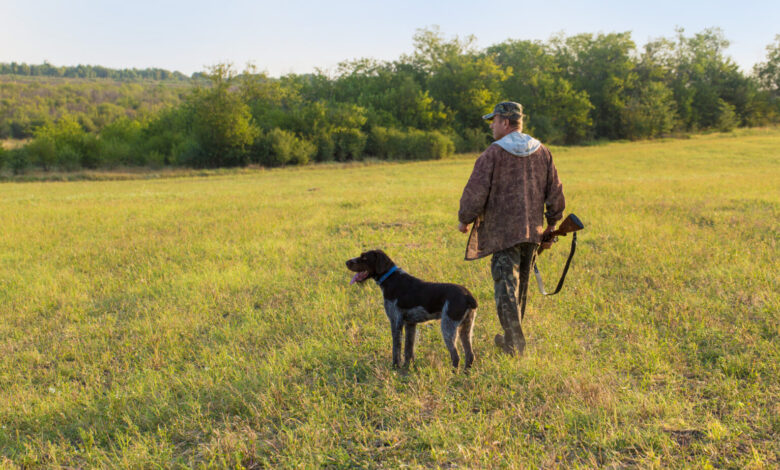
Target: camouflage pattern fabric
{"x": 506, "y": 109}
{"x": 504, "y": 198}
{"x": 511, "y": 270}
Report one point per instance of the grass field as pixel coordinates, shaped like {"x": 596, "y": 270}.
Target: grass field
{"x": 208, "y": 321}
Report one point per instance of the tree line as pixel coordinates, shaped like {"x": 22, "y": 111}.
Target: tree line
{"x": 428, "y": 104}
{"x": 89, "y": 71}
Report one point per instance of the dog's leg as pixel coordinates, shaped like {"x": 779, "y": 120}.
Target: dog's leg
{"x": 466, "y": 329}
{"x": 448, "y": 330}
{"x": 397, "y": 329}
{"x": 411, "y": 335}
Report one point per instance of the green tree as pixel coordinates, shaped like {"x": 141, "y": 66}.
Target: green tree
{"x": 602, "y": 66}
{"x": 557, "y": 113}
{"x": 74, "y": 147}
{"x": 464, "y": 80}
{"x": 768, "y": 72}
{"x": 392, "y": 93}
{"x": 702, "y": 79}
{"x": 221, "y": 121}
{"x": 649, "y": 111}
{"x": 768, "y": 76}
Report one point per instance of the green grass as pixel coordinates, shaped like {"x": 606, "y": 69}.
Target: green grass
{"x": 208, "y": 321}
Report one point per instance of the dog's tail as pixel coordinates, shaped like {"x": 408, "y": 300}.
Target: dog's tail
{"x": 471, "y": 301}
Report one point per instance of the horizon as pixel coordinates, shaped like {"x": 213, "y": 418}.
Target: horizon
{"x": 301, "y": 38}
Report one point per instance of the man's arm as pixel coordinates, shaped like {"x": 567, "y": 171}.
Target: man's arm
{"x": 475, "y": 194}
{"x": 553, "y": 196}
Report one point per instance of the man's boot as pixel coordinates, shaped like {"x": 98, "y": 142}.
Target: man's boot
{"x": 507, "y": 348}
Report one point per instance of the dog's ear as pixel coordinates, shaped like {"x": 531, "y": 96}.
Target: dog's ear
{"x": 383, "y": 262}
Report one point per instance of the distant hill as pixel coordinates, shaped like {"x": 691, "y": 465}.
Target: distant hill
{"x": 29, "y": 101}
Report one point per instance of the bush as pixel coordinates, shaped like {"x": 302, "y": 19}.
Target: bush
{"x": 115, "y": 152}
{"x": 68, "y": 158}
{"x": 650, "y": 112}
{"x": 438, "y": 145}
{"x": 162, "y": 143}
{"x": 17, "y": 160}
{"x": 222, "y": 122}
{"x": 326, "y": 147}
{"x": 73, "y": 147}
{"x": 41, "y": 152}
{"x": 188, "y": 152}
{"x": 122, "y": 129}
{"x": 377, "y": 142}
{"x": 88, "y": 147}
{"x": 156, "y": 160}
{"x": 349, "y": 144}
{"x": 282, "y": 147}
{"x": 408, "y": 145}
{"x": 727, "y": 117}
{"x": 472, "y": 140}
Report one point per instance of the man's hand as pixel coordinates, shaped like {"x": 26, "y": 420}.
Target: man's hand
{"x": 546, "y": 245}
{"x": 463, "y": 227}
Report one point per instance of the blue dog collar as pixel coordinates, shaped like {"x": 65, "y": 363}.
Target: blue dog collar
{"x": 387, "y": 274}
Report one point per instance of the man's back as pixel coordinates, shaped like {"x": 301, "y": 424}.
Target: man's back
{"x": 506, "y": 196}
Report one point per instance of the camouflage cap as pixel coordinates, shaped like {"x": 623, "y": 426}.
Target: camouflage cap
{"x": 506, "y": 109}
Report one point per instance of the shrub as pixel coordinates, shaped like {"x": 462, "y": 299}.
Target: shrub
{"x": 41, "y": 152}
{"x": 163, "y": 133}
{"x": 282, "y": 147}
{"x": 650, "y": 112}
{"x": 163, "y": 143}
{"x": 376, "y": 145}
{"x": 304, "y": 152}
{"x": 66, "y": 132}
{"x": 68, "y": 158}
{"x": 437, "y": 145}
{"x": 73, "y": 147}
{"x": 156, "y": 160}
{"x": 123, "y": 129}
{"x": 115, "y": 152}
{"x": 188, "y": 152}
{"x": 17, "y": 160}
{"x": 408, "y": 145}
{"x": 222, "y": 123}
{"x": 472, "y": 140}
{"x": 88, "y": 148}
{"x": 727, "y": 117}
{"x": 326, "y": 147}
{"x": 349, "y": 144}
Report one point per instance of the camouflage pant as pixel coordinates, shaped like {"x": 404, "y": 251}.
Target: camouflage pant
{"x": 511, "y": 270}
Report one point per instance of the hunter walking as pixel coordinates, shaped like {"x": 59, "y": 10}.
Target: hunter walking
{"x": 513, "y": 190}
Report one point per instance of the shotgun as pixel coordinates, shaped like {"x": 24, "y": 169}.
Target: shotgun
{"x": 571, "y": 224}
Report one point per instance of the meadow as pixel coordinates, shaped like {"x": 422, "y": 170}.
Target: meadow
{"x": 209, "y": 321}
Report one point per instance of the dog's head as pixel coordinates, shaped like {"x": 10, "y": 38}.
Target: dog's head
{"x": 370, "y": 264}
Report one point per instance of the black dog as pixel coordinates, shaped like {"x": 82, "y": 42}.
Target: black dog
{"x": 409, "y": 301}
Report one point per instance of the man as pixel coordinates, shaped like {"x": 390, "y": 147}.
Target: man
{"x": 505, "y": 198}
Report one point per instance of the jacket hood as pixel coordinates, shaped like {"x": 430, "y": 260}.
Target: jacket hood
{"x": 518, "y": 144}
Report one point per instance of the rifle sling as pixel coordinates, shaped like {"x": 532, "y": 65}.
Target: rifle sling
{"x": 565, "y": 269}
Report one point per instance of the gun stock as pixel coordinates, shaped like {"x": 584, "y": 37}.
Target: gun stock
{"x": 570, "y": 224}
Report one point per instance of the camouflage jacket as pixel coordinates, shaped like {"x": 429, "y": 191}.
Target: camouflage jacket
{"x": 506, "y": 195}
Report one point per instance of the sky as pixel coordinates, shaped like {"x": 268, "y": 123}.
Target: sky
{"x": 295, "y": 36}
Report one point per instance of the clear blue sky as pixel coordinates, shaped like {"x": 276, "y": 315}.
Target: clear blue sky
{"x": 298, "y": 36}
